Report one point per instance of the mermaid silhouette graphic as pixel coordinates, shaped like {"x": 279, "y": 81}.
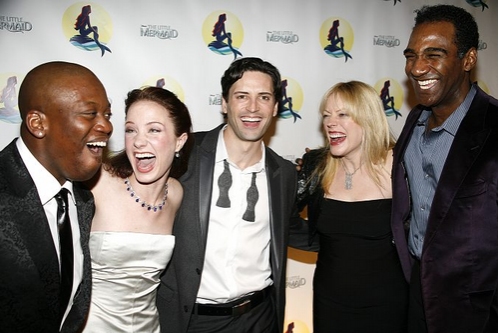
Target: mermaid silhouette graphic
{"x": 8, "y": 112}
{"x": 478, "y": 3}
{"x": 335, "y": 39}
{"x": 286, "y": 108}
{"x": 86, "y": 29}
{"x": 388, "y": 101}
{"x": 160, "y": 83}
{"x": 219, "y": 32}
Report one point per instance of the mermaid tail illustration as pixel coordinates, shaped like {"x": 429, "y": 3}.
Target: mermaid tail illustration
{"x": 335, "y": 39}
{"x": 85, "y": 28}
{"x": 220, "y": 34}
{"x": 287, "y": 103}
{"x": 236, "y": 52}
{"x": 388, "y": 101}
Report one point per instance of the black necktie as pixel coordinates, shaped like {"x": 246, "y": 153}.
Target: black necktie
{"x": 224, "y": 183}
{"x": 66, "y": 250}
{"x": 252, "y": 198}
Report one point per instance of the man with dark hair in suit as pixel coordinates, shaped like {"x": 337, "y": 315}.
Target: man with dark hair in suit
{"x": 45, "y": 285}
{"x": 228, "y": 269}
{"x": 444, "y": 215}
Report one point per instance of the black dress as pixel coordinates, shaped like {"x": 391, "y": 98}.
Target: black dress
{"x": 359, "y": 286}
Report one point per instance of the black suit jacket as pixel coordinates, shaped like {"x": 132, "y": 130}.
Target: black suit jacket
{"x": 29, "y": 281}
{"x": 180, "y": 283}
{"x": 459, "y": 258}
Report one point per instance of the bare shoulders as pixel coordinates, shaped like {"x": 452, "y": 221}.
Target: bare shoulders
{"x": 103, "y": 180}
{"x": 116, "y": 210}
{"x": 388, "y": 162}
{"x": 175, "y": 193}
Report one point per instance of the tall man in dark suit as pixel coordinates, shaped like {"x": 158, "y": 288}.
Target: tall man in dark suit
{"x": 228, "y": 269}
{"x": 444, "y": 216}
{"x": 65, "y": 125}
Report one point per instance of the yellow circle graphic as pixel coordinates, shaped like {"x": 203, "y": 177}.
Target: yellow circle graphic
{"x": 166, "y": 82}
{"x": 336, "y": 37}
{"x": 223, "y": 33}
{"x": 391, "y": 94}
{"x": 88, "y": 26}
{"x": 296, "y": 326}
{"x": 292, "y": 99}
{"x": 483, "y": 86}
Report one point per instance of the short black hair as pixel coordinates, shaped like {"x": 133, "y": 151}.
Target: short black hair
{"x": 466, "y": 29}
{"x": 241, "y": 65}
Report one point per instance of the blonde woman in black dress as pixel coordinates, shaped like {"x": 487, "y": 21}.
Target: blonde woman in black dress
{"x": 358, "y": 282}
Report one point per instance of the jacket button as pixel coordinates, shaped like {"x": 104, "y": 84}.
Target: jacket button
{"x": 198, "y": 271}
{"x": 186, "y": 308}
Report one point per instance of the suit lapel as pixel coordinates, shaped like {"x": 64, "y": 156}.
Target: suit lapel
{"x": 466, "y": 147}
{"x": 274, "y": 178}
{"x": 406, "y": 135}
{"x": 85, "y": 207}
{"x": 207, "y": 152}
{"x": 401, "y": 194}
{"x": 34, "y": 229}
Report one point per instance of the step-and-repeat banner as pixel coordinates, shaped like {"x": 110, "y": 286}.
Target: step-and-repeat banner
{"x": 185, "y": 46}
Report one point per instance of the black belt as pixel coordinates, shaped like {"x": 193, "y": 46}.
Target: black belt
{"x": 234, "y": 308}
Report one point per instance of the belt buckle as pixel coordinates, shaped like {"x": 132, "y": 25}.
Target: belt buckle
{"x": 240, "y": 309}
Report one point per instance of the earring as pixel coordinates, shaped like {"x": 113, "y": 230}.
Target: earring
{"x": 177, "y": 154}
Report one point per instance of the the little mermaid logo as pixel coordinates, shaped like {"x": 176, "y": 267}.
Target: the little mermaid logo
{"x": 292, "y": 99}
{"x": 336, "y": 36}
{"x": 478, "y": 3}
{"x": 158, "y": 31}
{"x": 297, "y": 281}
{"x": 391, "y": 95}
{"x": 285, "y": 37}
{"x": 9, "y": 111}
{"x": 14, "y": 24}
{"x": 223, "y": 33}
{"x": 92, "y": 24}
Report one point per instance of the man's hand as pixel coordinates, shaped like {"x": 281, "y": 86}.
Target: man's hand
{"x": 299, "y": 161}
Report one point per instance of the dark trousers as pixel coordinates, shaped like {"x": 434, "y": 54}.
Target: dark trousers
{"x": 416, "y": 319}
{"x": 261, "y": 319}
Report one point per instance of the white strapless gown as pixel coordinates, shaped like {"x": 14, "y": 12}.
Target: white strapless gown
{"x": 125, "y": 274}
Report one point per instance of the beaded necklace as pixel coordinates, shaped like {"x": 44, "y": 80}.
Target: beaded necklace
{"x": 144, "y": 204}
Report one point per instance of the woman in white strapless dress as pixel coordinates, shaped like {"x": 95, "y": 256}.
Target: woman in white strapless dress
{"x": 136, "y": 199}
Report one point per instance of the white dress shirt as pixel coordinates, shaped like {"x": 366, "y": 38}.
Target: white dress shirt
{"x": 237, "y": 260}
{"x": 47, "y": 187}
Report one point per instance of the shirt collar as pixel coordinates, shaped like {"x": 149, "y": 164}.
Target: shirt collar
{"x": 451, "y": 124}
{"x": 46, "y": 184}
{"x": 221, "y": 154}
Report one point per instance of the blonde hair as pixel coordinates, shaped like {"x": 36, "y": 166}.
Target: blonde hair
{"x": 364, "y": 105}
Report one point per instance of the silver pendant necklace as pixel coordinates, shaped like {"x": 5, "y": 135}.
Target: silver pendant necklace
{"x": 349, "y": 175}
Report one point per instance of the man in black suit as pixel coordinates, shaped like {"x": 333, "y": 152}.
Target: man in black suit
{"x": 65, "y": 126}
{"x": 227, "y": 273}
